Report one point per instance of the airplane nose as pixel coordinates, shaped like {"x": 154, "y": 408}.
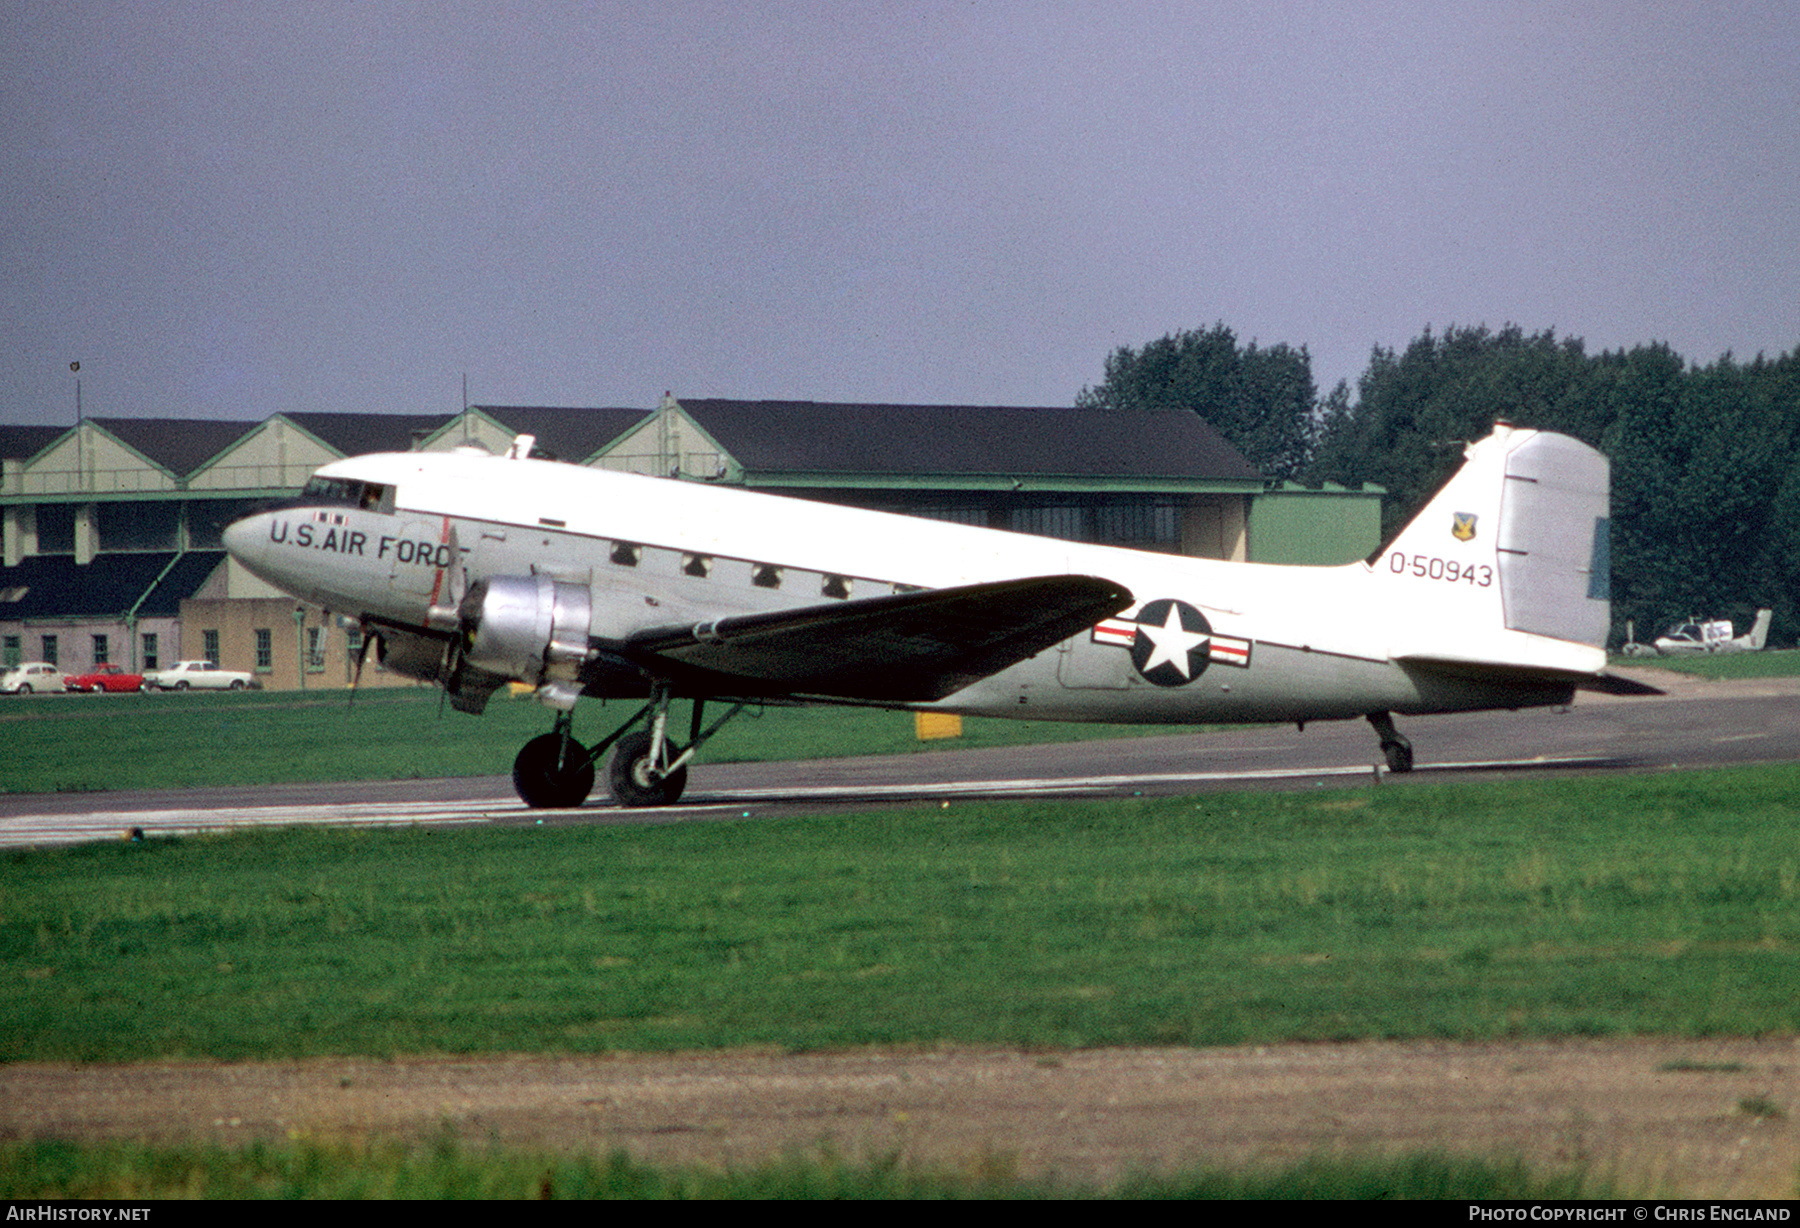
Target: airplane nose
{"x": 247, "y": 540}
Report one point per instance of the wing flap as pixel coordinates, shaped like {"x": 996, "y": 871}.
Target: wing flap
{"x": 906, "y": 647}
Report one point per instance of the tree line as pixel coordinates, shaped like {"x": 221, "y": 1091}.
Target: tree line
{"x": 1706, "y": 475}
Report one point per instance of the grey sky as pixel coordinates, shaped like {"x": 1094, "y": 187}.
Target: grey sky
{"x": 235, "y": 209}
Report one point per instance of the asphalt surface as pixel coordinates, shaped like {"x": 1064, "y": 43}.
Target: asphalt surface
{"x": 1698, "y": 724}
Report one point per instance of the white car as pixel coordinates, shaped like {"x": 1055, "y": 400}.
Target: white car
{"x": 199, "y": 675}
{"x": 29, "y": 677}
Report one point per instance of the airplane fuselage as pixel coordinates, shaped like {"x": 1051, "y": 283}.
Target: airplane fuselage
{"x": 405, "y": 536}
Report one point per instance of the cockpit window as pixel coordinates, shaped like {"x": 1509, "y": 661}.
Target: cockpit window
{"x": 369, "y": 496}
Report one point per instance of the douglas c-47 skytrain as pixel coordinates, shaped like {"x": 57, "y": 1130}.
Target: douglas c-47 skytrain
{"x": 471, "y": 571}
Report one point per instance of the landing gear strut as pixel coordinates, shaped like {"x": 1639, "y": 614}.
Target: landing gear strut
{"x": 647, "y": 768}
{"x": 1394, "y": 745}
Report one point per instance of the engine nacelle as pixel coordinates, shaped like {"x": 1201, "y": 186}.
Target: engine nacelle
{"x": 530, "y": 628}
{"x": 433, "y": 658}
{"x": 413, "y": 655}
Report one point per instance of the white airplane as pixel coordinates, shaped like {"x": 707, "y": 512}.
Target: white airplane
{"x": 471, "y": 571}
{"x": 1716, "y": 636}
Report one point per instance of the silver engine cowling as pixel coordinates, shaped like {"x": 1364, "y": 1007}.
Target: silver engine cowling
{"x": 531, "y": 629}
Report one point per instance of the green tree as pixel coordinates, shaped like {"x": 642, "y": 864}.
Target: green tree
{"x": 1416, "y": 409}
{"x": 1260, "y": 399}
{"x": 1706, "y": 490}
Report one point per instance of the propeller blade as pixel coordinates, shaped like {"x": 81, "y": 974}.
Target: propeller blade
{"x": 362, "y": 659}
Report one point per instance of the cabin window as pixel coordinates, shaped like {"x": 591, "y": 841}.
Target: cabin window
{"x": 837, "y": 586}
{"x": 627, "y": 554}
{"x": 765, "y": 575}
{"x": 696, "y": 565}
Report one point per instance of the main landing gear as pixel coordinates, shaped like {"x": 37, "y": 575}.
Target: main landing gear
{"x": 647, "y": 767}
{"x": 1394, "y": 745}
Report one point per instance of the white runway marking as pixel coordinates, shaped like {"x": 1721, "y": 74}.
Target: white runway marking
{"x": 48, "y": 829}
{"x": 43, "y": 830}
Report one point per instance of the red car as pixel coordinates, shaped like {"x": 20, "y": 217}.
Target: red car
{"x": 105, "y": 678}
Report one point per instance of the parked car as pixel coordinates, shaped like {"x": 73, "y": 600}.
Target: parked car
{"x": 29, "y": 677}
{"x": 104, "y": 678}
{"x": 200, "y": 675}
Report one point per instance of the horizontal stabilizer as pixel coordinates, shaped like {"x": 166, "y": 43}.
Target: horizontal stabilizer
{"x": 909, "y": 647}
{"x": 1501, "y": 672}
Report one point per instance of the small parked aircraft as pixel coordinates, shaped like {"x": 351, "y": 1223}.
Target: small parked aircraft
{"x": 471, "y": 571}
{"x": 1695, "y": 636}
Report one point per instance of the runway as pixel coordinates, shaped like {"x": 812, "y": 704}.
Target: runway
{"x": 1698, "y": 725}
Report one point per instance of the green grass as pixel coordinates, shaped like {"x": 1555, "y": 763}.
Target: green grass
{"x": 129, "y": 1172}
{"x": 1784, "y": 663}
{"x": 1641, "y": 905}
{"x": 93, "y": 743}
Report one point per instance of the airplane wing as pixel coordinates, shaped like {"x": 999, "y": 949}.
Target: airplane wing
{"x": 906, "y": 647}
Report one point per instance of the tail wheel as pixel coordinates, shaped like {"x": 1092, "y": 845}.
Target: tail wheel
{"x": 1399, "y": 756}
{"x": 633, "y": 778}
{"x": 553, "y": 773}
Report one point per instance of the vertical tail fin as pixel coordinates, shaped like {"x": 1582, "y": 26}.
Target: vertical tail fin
{"x": 1516, "y": 541}
{"x": 1759, "y": 634}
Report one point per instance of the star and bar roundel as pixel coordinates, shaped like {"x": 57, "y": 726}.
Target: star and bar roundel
{"x": 1171, "y": 642}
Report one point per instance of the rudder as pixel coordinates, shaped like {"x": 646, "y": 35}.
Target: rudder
{"x": 1554, "y": 540}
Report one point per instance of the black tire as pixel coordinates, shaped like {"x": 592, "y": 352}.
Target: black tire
{"x": 237, "y": 684}
{"x": 182, "y": 685}
{"x": 1399, "y": 756}
{"x": 24, "y": 688}
{"x": 628, "y": 775}
{"x": 547, "y": 778}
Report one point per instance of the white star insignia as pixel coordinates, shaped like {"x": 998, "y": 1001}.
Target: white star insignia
{"x": 1171, "y": 643}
